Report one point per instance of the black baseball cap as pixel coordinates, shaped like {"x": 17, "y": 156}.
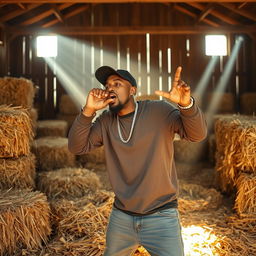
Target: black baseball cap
{"x": 104, "y": 72}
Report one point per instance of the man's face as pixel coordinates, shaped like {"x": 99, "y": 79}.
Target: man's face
{"x": 120, "y": 90}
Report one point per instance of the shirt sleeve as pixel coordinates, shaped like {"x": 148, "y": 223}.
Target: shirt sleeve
{"x": 190, "y": 123}
{"x": 84, "y": 135}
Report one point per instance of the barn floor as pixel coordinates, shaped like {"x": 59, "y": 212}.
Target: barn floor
{"x": 209, "y": 231}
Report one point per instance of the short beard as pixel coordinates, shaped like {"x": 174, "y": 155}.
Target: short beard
{"x": 117, "y": 108}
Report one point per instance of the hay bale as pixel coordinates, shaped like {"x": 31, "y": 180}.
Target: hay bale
{"x": 226, "y": 103}
{"x": 68, "y": 118}
{"x": 96, "y": 156}
{"x": 68, "y": 182}
{"x": 52, "y": 153}
{"x": 236, "y": 146}
{"x": 33, "y": 114}
{"x": 194, "y": 197}
{"x": 24, "y": 220}
{"x": 17, "y": 91}
{"x": 56, "y": 128}
{"x": 15, "y": 132}
{"x": 248, "y": 103}
{"x": 189, "y": 152}
{"x": 246, "y": 194}
{"x": 148, "y": 97}
{"x": 211, "y": 148}
{"x": 17, "y": 172}
{"x": 68, "y": 106}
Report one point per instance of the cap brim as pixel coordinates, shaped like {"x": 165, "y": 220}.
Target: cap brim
{"x": 103, "y": 73}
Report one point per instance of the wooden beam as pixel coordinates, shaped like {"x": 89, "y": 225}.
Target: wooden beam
{"x": 16, "y": 13}
{"x": 244, "y": 13}
{"x": 118, "y": 1}
{"x": 44, "y": 15}
{"x": 119, "y": 30}
{"x": 68, "y": 15}
{"x": 22, "y": 6}
{"x": 215, "y": 13}
{"x": 57, "y": 13}
{"x": 205, "y": 12}
{"x": 184, "y": 10}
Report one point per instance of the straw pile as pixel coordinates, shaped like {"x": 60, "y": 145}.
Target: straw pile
{"x": 33, "y": 114}
{"x": 15, "y": 132}
{"x": 96, "y": 156}
{"x": 68, "y": 183}
{"x": 57, "y": 128}
{"x": 81, "y": 224}
{"x": 52, "y": 153}
{"x": 236, "y": 147}
{"x": 68, "y": 106}
{"x": 226, "y": 103}
{"x": 17, "y": 172}
{"x": 189, "y": 152}
{"x": 68, "y": 118}
{"x": 248, "y": 103}
{"x": 148, "y": 97}
{"x": 16, "y": 91}
{"x": 194, "y": 197}
{"x": 24, "y": 220}
{"x": 246, "y": 194}
{"x": 186, "y": 171}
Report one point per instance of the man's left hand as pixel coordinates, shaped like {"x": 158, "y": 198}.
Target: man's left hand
{"x": 180, "y": 91}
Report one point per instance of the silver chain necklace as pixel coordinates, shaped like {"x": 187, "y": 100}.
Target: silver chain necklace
{"x": 132, "y": 127}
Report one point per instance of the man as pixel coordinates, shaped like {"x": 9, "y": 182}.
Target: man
{"x": 138, "y": 140}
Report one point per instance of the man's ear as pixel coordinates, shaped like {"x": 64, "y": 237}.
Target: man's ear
{"x": 133, "y": 90}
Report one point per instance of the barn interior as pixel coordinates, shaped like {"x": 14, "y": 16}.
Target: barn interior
{"x": 53, "y": 202}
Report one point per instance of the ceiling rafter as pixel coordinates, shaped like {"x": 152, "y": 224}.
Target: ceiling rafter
{"x": 17, "y": 13}
{"x": 57, "y": 13}
{"x": 244, "y": 13}
{"x": 22, "y": 6}
{"x": 132, "y": 30}
{"x": 205, "y": 12}
{"x": 68, "y": 15}
{"x": 184, "y": 10}
{"x": 215, "y": 13}
{"x": 44, "y": 14}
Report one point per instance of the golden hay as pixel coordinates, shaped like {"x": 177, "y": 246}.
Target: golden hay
{"x": 236, "y": 145}
{"x": 17, "y": 172}
{"x": 33, "y": 114}
{"x": 15, "y": 132}
{"x": 24, "y": 220}
{"x": 148, "y": 97}
{"x": 189, "y": 152}
{"x": 68, "y": 118}
{"x": 68, "y": 183}
{"x": 246, "y": 194}
{"x": 68, "y": 106}
{"x": 95, "y": 156}
{"x": 17, "y": 91}
{"x": 52, "y": 153}
{"x": 226, "y": 102}
{"x": 194, "y": 197}
{"x": 57, "y": 128}
{"x": 248, "y": 103}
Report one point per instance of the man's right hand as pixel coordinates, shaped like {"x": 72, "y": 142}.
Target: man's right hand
{"x": 97, "y": 99}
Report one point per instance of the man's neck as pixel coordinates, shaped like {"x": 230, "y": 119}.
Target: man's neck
{"x": 129, "y": 108}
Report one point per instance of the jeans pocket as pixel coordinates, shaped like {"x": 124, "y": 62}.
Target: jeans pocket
{"x": 171, "y": 212}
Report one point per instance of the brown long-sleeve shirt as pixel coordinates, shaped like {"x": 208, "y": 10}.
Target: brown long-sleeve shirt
{"x": 142, "y": 172}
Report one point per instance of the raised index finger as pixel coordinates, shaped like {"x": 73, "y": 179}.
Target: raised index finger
{"x": 177, "y": 76}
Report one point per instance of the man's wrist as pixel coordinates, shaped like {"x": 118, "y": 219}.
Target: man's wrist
{"x": 188, "y": 106}
{"x": 88, "y": 112}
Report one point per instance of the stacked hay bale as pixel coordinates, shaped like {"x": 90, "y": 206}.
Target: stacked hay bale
{"x": 52, "y": 153}
{"x": 236, "y": 159}
{"x": 57, "y": 128}
{"x": 24, "y": 214}
{"x": 18, "y": 92}
{"x": 68, "y": 110}
{"x": 248, "y": 103}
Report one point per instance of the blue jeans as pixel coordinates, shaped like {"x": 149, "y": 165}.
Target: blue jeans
{"x": 159, "y": 233}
